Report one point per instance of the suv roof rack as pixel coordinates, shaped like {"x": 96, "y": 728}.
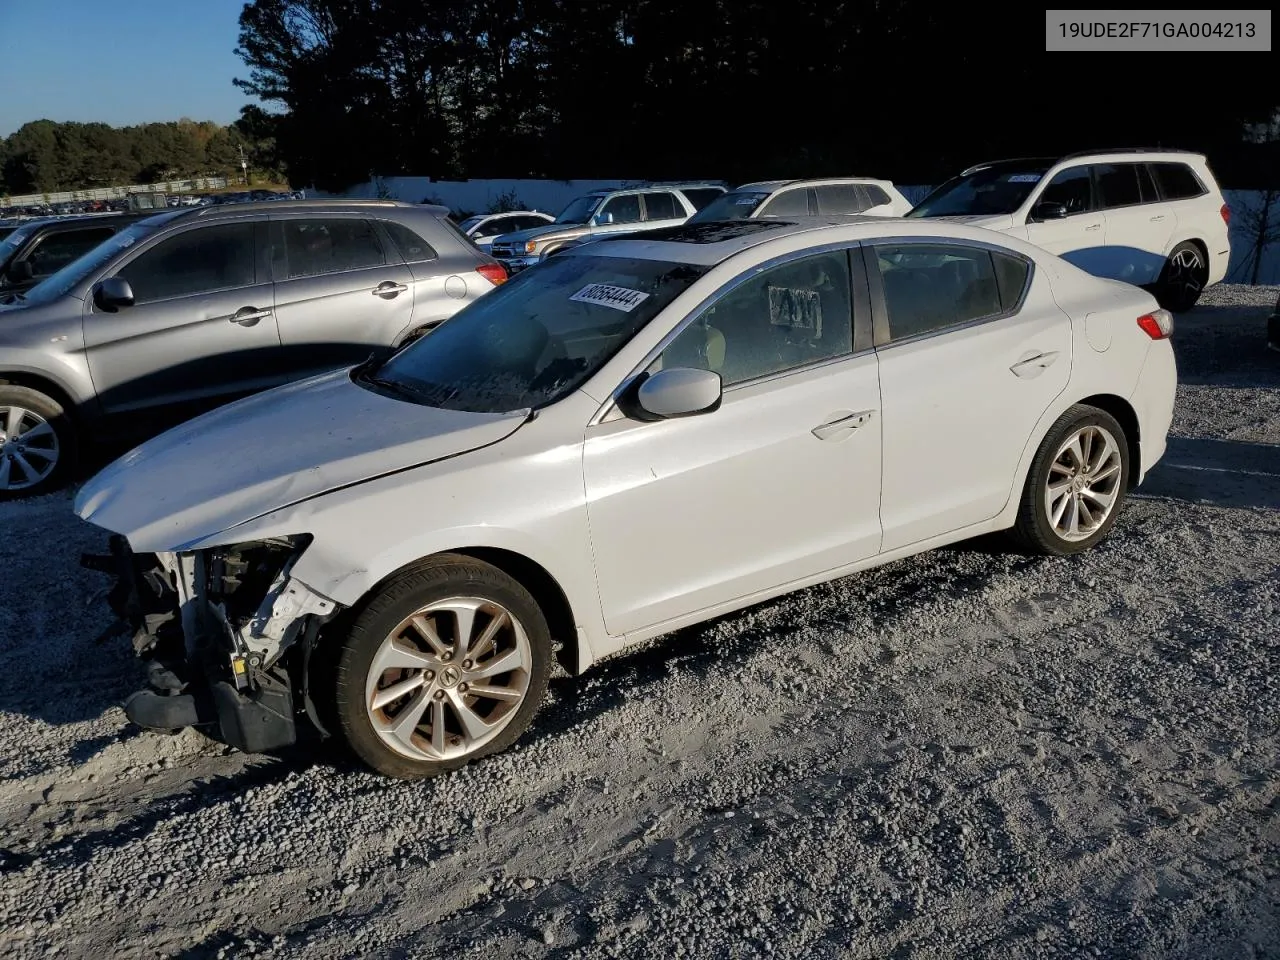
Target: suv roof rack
{"x": 1109, "y": 151}
{"x": 296, "y": 204}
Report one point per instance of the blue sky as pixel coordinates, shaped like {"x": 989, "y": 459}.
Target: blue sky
{"x": 119, "y": 61}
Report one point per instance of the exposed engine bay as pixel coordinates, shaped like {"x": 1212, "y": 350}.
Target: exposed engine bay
{"x": 228, "y": 636}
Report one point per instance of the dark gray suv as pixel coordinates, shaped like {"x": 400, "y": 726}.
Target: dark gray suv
{"x": 188, "y": 309}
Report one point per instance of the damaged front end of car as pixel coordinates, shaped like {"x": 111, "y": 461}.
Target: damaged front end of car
{"x": 228, "y": 636}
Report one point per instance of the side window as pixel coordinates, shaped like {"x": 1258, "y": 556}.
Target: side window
{"x": 1011, "y": 278}
{"x": 788, "y": 203}
{"x": 318, "y": 247}
{"x": 929, "y": 287}
{"x": 1177, "y": 182}
{"x": 840, "y": 199}
{"x": 196, "y": 262}
{"x": 58, "y": 249}
{"x": 786, "y": 317}
{"x": 625, "y": 209}
{"x": 411, "y": 246}
{"x": 662, "y": 206}
{"x": 1118, "y": 184}
{"x": 1072, "y": 189}
{"x": 876, "y": 197}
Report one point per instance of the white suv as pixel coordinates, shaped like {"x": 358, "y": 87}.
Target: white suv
{"x": 1149, "y": 217}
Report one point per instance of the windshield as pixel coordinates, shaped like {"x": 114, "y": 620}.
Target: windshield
{"x": 579, "y": 211}
{"x": 63, "y": 281}
{"x": 13, "y": 241}
{"x": 737, "y": 205}
{"x": 991, "y": 190}
{"x": 466, "y": 225}
{"x": 537, "y": 337}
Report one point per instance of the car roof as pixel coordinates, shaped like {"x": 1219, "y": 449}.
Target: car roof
{"x": 1122, "y": 154}
{"x": 711, "y": 243}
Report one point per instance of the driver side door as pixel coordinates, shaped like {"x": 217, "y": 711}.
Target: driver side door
{"x": 1079, "y": 236}
{"x": 779, "y": 484}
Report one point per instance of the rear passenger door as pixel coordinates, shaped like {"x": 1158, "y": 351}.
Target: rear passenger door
{"x": 796, "y": 202}
{"x": 1139, "y": 225}
{"x": 973, "y": 349}
{"x": 342, "y": 291}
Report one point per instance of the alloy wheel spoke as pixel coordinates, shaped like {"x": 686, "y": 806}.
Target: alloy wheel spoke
{"x": 474, "y": 726}
{"x": 427, "y": 631}
{"x": 464, "y": 615}
{"x": 1103, "y": 500}
{"x": 6, "y": 471}
{"x": 495, "y": 693}
{"x": 41, "y": 429}
{"x": 399, "y": 656}
{"x": 404, "y": 723}
{"x": 484, "y": 643}
{"x": 30, "y": 473}
{"x": 503, "y": 663}
{"x": 1109, "y": 470}
{"x": 389, "y": 695}
{"x": 13, "y": 422}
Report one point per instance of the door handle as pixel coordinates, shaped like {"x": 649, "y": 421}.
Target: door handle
{"x": 249, "y": 316}
{"x": 387, "y": 289}
{"x": 1094, "y": 226}
{"x": 1157, "y": 219}
{"x": 842, "y": 426}
{"x": 1034, "y": 365}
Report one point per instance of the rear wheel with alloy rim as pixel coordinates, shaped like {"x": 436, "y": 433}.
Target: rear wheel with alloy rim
{"x": 36, "y": 442}
{"x": 446, "y": 664}
{"x": 1183, "y": 278}
{"x": 1076, "y": 485}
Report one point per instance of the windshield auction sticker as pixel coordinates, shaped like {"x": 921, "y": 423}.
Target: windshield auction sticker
{"x": 607, "y": 295}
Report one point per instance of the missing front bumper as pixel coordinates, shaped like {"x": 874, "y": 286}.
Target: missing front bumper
{"x": 225, "y": 672}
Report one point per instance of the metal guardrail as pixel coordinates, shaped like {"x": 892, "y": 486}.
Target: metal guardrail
{"x": 115, "y": 193}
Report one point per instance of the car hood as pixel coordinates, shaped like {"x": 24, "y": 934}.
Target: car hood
{"x": 268, "y": 451}
{"x": 1000, "y": 221}
{"x": 538, "y": 233}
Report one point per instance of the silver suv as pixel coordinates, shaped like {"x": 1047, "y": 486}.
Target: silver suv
{"x": 605, "y": 213}
{"x": 191, "y": 308}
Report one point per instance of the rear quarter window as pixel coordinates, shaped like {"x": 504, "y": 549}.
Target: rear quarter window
{"x": 1177, "y": 181}
{"x": 409, "y": 245}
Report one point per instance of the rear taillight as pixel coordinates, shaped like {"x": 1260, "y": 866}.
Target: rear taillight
{"x": 1158, "y": 324}
{"x": 495, "y": 273}
{"x": 1226, "y": 214}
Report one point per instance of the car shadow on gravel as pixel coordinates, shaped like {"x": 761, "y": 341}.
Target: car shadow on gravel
{"x": 1220, "y": 473}
{"x": 883, "y": 595}
{"x": 1225, "y": 346}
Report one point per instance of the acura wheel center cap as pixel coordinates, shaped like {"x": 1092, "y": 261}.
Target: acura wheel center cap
{"x": 449, "y": 676}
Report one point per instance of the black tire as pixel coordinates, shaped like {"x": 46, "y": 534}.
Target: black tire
{"x": 64, "y": 441}
{"x": 1183, "y": 278}
{"x": 438, "y": 579}
{"x": 1034, "y": 529}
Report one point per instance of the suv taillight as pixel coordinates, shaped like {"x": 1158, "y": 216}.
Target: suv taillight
{"x": 1226, "y": 214}
{"x": 1158, "y": 324}
{"x": 495, "y": 273}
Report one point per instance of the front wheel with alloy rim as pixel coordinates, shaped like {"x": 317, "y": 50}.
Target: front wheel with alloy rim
{"x": 446, "y": 664}
{"x": 36, "y": 442}
{"x": 1183, "y": 278}
{"x": 1076, "y": 484}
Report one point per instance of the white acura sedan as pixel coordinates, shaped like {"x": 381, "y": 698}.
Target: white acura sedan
{"x": 642, "y": 434}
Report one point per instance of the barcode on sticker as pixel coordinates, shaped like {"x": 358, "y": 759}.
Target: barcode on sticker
{"x": 607, "y": 295}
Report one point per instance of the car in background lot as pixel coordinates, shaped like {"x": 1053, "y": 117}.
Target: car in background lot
{"x": 602, "y": 213}
{"x": 40, "y": 248}
{"x": 776, "y": 404}
{"x": 839, "y": 197}
{"x": 189, "y": 308}
{"x": 485, "y": 228}
{"x": 1154, "y": 218}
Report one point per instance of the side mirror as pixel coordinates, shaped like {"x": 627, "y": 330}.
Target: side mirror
{"x": 604, "y": 219}
{"x": 20, "y": 272}
{"x": 1047, "y": 210}
{"x": 113, "y": 293}
{"x": 678, "y": 392}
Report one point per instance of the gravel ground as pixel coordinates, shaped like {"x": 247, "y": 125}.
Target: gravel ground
{"x": 969, "y": 753}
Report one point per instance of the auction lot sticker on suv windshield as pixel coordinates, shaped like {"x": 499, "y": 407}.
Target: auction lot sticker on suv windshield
{"x": 607, "y": 295}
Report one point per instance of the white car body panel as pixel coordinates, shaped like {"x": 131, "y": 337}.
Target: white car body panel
{"x": 647, "y": 527}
